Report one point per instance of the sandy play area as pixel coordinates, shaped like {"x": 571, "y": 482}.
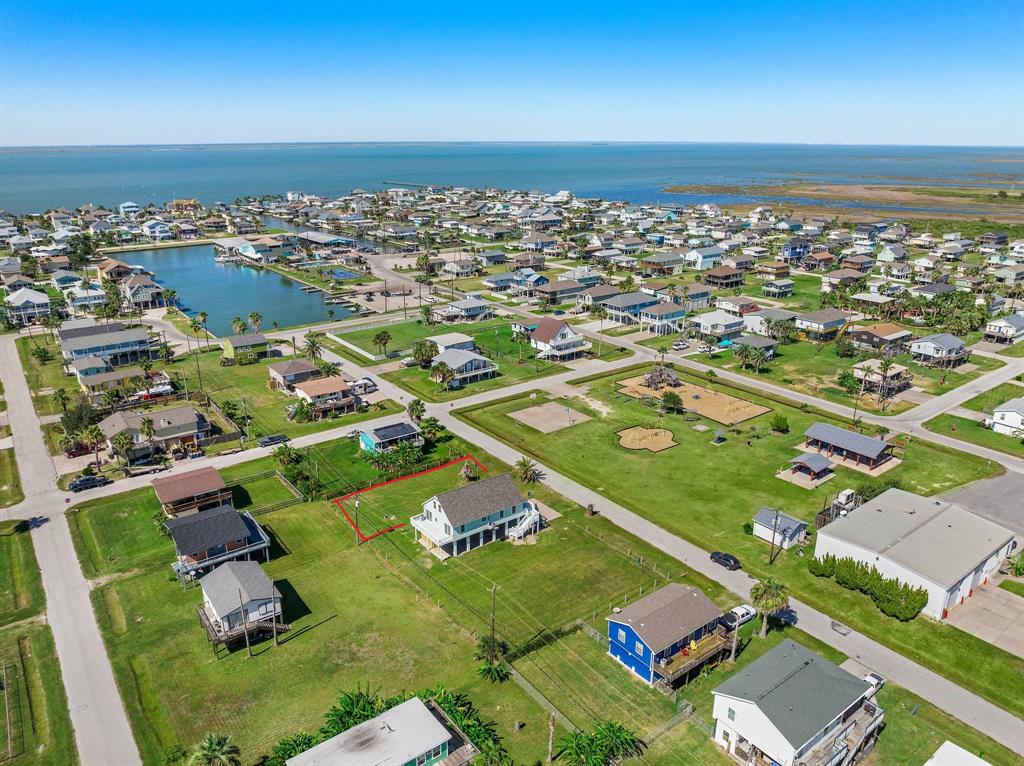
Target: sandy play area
{"x": 652, "y": 439}
{"x": 722, "y": 408}
{"x": 549, "y": 417}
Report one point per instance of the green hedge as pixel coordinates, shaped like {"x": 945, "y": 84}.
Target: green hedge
{"x": 892, "y": 597}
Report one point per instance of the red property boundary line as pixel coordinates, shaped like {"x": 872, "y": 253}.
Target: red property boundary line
{"x": 364, "y": 538}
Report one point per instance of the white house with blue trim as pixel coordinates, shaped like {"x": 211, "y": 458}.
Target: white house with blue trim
{"x": 458, "y": 521}
{"x": 666, "y": 635}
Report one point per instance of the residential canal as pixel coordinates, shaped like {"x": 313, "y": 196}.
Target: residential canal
{"x": 227, "y": 290}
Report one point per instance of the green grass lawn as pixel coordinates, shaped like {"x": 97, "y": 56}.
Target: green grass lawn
{"x": 806, "y": 292}
{"x": 405, "y": 334}
{"x": 39, "y": 723}
{"x": 974, "y": 432}
{"x": 516, "y": 363}
{"x": 10, "y": 482}
{"x": 705, "y": 494}
{"x": 247, "y": 383}
{"x": 987, "y": 401}
{"x": 1014, "y": 586}
{"x": 21, "y": 589}
{"x": 812, "y": 369}
{"x": 415, "y": 617}
{"x": 1016, "y": 350}
{"x": 50, "y": 375}
{"x": 345, "y": 353}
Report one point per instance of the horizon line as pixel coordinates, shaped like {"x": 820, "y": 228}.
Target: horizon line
{"x": 522, "y": 142}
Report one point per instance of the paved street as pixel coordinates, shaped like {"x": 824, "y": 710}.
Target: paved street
{"x": 102, "y": 731}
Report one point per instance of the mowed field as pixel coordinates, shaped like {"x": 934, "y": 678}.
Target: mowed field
{"x": 384, "y": 614}
{"x": 707, "y": 493}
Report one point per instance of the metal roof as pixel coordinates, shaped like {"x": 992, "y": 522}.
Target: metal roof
{"x": 813, "y": 461}
{"x": 222, "y": 586}
{"x": 799, "y": 691}
{"x": 847, "y": 440}
{"x": 935, "y": 539}
{"x": 788, "y": 525}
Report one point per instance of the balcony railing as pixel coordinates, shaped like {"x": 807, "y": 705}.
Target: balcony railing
{"x": 686, "y": 659}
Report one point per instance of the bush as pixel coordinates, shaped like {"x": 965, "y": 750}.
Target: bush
{"x": 823, "y": 567}
{"x": 780, "y": 424}
{"x": 748, "y": 527}
{"x": 892, "y": 597}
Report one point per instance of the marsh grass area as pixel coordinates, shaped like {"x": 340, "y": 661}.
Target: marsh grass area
{"x": 707, "y": 493}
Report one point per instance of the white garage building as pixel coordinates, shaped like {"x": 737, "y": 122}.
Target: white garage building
{"x": 920, "y": 541}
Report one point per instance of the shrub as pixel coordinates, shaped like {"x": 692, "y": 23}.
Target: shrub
{"x": 892, "y": 597}
{"x": 748, "y": 528}
{"x": 780, "y": 424}
{"x": 823, "y": 567}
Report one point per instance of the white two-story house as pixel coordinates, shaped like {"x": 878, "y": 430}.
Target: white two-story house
{"x": 555, "y": 339}
{"x": 490, "y": 509}
{"x": 791, "y": 706}
{"x": 1008, "y": 418}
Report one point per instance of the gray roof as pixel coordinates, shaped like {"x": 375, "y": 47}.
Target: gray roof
{"x": 207, "y": 529}
{"x": 813, "y": 461}
{"x": 847, "y": 440}
{"x": 788, "y": 525}
{"x": 942, "y": 340}
{"x": 457, "y": 358}
{"x": 166, "y": 423}
{"x": 222, "y": 586}
{"x": 937, "y": 540}
{"x": 934, "y": 288}
{"x": 755, "y": 341}
{"x": 395, "y": 431}
{"x": 247, "y": 339}
{"x": 76, "y": 328}
{"x": 824, "y": 316}
{"x": 479, "y": 499}
{"x": 668, "y": 615}
{"x": 775, "y": 314}
{"x": 1016, "y": 321}
{"x": 393, "y": 738}
{"x": 1013, "y": 405}
{"x": 799, "y": 691}
{"x": 625, "y": 300}
{"x": 292, "y": 367}
{"x": 468, "y": 303}
{"x": 133, "y": 335}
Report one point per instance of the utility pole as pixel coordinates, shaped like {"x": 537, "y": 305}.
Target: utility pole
{"x": 245, "y": 625}
{"x": 491, "y": 647}
{"x": 735, "y": 640}
{"x": 245, "y": 418}
{"x": 358, "y": 542}
{"x": 775, "y": 528}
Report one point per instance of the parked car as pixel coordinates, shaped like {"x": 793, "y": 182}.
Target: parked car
{"x": 680, "y": 345}
{"x": 876, "y": 681}
{"x": 726, "y": 560}
{"x": 738, "y": 615}
{"x": 704, "y": 348}
{"x": 558, "y": 313}
{"x": 88, "y": 482}
{"x": 409, "y": 362}
{"x": 77, "y": 451}
{"x": 270, "y": 441}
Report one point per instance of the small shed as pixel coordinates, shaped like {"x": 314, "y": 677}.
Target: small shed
{"x": 771, "y": 525}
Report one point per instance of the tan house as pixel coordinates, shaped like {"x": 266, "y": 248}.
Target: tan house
{"x": 326, "y": 396}
{"x": 192, "y": 492}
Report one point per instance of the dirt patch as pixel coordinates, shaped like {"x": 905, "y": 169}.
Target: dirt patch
{"x": 714, "y": 405}
{"x": 650, "y": 439}
{"x": 549, "y": 417}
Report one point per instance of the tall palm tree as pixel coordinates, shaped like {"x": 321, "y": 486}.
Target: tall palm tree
{"x": 255, "y": 320}
{"x": 742, "y": 353}
{"x": 170, "y": 296}
{"x": 416, "y": 409}
{"x": 202, "y": 316}
{"x": 759, "y": 358}
{"x": 122, "y": 444}
{"x": 328, "y": 368}
{"x": 769, "y": 596}
{"x": 238, "y": 325}
{"x": 148, "y": 431}
{"x": 313, "y": 348}
{"x": 69, "y": 441}
{"x": 93, "y": 437}
{"x": 443, "y": 374}
{"x": 215, "y": 750}
{"x": 381, "y": 341}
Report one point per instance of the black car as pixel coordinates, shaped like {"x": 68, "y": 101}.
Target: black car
{"x": 270, "y": 441}
{"x": 89, "y": 482}
{"x": 726, "y": 560}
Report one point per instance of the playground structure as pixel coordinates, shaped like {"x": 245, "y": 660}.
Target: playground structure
{"x": 650, "y": 439}
{"x": 721, "y": 407}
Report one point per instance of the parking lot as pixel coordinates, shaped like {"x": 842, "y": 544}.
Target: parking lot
{"x": 994, "y": 615}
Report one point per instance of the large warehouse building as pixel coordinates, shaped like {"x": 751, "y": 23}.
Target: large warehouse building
{"x": 921, "y": 541}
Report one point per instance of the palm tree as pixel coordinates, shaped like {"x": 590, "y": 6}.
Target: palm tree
{"x": 617, "y": 742}
{"x": 60, "y": 396}
{"x": 195, "y": 326}
{"x": 170, "y": 296}
{"x": 238, "y": 325}
{"x": 580, "y": 749}
{"x": 328, "y": 368}
{"x": 286, "y": 455}
{"x": 742, "y": 353}
{"x": 313, "y": 348}
{"x": 215, "y": 750}
{"x": 381, "y": 341}
{"x": 202, "y": 316}
{"x": 93, "y": 437}
{"x": 255, "y": 320}
{"x": 759, "y": 358}
{"x": 443, "y": 374}
{"x": 527, "y": 470}
{"x": 431, "y": 428}
{"x": 69, "y": 441}
{"x": 166, "y": 352}
{"x": 148, "y": 431}
{"x": 122, "y": 444}
{"x": 769, "y": 596}
{"x": 884, "y": 367}
{"x": 417, "y": 409}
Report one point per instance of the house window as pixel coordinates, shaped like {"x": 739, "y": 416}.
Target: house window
{"x": 731, "y": 714}
{"x": 622, "y": 636}
{"x": 435, "y": 752}
{"x": 422, "y": 759}
{"x": 447, "y": 529}
{"x": 639, "y": 648}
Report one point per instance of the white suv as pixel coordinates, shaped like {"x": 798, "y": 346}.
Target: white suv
{"x": 739, "y": 615}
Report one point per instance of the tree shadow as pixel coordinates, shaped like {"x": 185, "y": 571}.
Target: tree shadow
{"x": 241, "y": 497}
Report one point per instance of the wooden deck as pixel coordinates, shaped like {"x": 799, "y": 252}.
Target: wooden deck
{"x": 217, "y": 635}
{"x": 686, "y": 660}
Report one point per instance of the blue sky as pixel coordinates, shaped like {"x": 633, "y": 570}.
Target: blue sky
{"x": 858, "y": 72}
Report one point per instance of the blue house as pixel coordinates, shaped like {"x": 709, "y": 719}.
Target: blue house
{"x": 386, "y": 437}
{"x": 664, "y": 636}
{"x": 795, "y": 249}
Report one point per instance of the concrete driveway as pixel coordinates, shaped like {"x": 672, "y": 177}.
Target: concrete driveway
{"x": 993, "y": 615}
